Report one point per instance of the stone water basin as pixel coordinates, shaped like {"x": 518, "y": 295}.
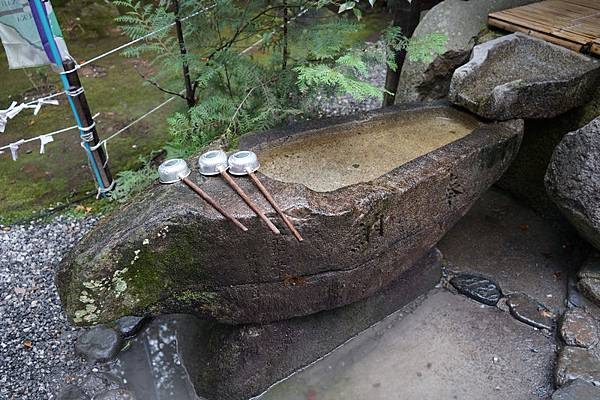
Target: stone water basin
{"x": 371, "y": 194}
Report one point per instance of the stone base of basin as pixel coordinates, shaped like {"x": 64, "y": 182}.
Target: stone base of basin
{"x": 370, "y": 194}
{"x": 236, "y": 362}
{"x": 518, "y": 76}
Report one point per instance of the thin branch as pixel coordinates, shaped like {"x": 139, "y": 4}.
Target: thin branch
{"x": 156, "y": 85}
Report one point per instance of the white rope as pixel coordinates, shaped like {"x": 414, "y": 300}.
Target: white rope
{"x": 131, "y": 43}
{"x": 44, "y": 139}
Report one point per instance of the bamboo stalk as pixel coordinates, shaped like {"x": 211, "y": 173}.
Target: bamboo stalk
{"x": 271, "y": 200}
{"x": 249, "y": 202}
{"x": 213, "y": 203}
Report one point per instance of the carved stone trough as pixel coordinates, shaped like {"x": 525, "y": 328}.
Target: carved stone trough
{"x": 371, "y": 195}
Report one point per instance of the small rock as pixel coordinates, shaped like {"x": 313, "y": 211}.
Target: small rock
{"x": 591, "y": 267}
{"x": 578, "y": 328}
{"x": 98, "y": 344}
{"x": 72, "y": 392}
{"x": 98, "y": 382}
{"x": 590, "y": 288}
{"x": 129, "y": 326}
{"x": 577, "y": 363}
{"x": 529, "y": 311}
{"x": 116, "y": 394}
{"x": 577, "y": 390}
{"x": 478, "y": 288}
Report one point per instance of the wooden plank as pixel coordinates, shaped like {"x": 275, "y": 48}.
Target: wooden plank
{"x": 540, "y": 35}
{"x": 574, "y": 24}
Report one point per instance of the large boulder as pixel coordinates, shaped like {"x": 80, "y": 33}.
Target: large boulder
{"x": 462, "y": 21}
{"x": 518, "y": 76}
{"x": 573, "y": 180}
{"x": 168, "y": 251}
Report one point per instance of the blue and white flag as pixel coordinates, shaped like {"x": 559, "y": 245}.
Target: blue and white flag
{"x": 20, "y": 35}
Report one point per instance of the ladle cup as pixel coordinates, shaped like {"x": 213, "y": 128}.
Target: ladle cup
{"x": 246, "y": 163}
{"x": 215, "y": 163}
{"x": 175, "y": 170}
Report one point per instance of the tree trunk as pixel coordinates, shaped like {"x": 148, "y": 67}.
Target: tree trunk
{"x": 189, "y": 90}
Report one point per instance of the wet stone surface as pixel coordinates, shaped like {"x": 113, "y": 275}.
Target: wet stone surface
{"x": 577, "y": 390}
{"x": 97, "y": 382}
{"x": 578, "y": 328}
{"x": 529, "y": 311}
{"x": 589, "y": 275}
{"x": 116, "y": 394}
{"x": 98, "y": 344}
{"x": 71, "y": 392}
{"x": 577, "y": 363}
{"x": 478, "y": 288}
{"x": 129, "y": 326}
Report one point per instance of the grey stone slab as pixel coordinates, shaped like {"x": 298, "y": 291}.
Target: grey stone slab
{"x": 578, "y": 328}
{"x": 518, "y": 76}
{"x": 443, "y": 347}
{"x": 509, "y": 243}
{"x": 573, "y": 180}
{"x": 576, "y": 363}
{"x": 577, "y": 390}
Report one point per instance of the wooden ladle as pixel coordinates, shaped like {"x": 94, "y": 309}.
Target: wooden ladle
{"x": 215, "y": 163}
{"x": 175, "y": 170}
{"x": 246, "y": 163}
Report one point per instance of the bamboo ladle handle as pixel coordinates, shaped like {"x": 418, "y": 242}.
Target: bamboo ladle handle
{"x": 271, "y": 200}
{"x": 213, "y": 203}
{"x": 249, "y": 202}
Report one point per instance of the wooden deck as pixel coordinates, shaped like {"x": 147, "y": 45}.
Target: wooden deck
{"x": 574, "y": 24}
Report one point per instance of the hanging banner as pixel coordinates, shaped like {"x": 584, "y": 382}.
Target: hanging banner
{"x": 19, "y": 34}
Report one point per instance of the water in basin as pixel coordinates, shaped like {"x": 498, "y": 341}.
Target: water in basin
{"x": 348, "y": 154}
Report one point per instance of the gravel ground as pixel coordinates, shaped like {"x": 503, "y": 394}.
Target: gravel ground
{"x": 36, "y": 341}
{"x": 37, "y": 354}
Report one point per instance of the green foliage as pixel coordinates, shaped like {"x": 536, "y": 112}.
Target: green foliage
{"x": 130, "y": 183}
{"x": 248, "y": 72}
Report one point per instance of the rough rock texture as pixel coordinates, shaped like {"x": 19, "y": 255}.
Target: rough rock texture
{"x": 578, "y": 328}
{"x": 589, "y": 278}
{"x": 129, "y": 326}
{"x": 529, "y": 311}
{"x": 573, "y": 180}
{"x": 518, "y": 76}
{"x": 577, "y": 390}
{"x": 116, "y": 394}
{"x": 99, "y": 344}
{"x": 525, "y": 177}
{"x": 577, "y": 363}
{"x": 167, "y": 251}
{"x": 71, "y": 392}
{"x": 462, "y": 22}
{"x": 478, "y": 288}
{"x": 228, "y": 362}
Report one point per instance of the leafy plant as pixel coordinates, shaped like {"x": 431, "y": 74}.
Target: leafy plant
{"x": 253, "y": 64}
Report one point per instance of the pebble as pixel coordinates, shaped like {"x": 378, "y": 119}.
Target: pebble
{"x": 577, "y": 363}
{"x": 31, "y": 310}
{"x": 99, "y": 344}
{"x": 129, "y": 326}
{"x": 589, "y": 278}
{"x": 578, "y": 328}
{"x": 529, "y": 311}
{"x": 478, "y": 288}
{"x": 577, "y": 390}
